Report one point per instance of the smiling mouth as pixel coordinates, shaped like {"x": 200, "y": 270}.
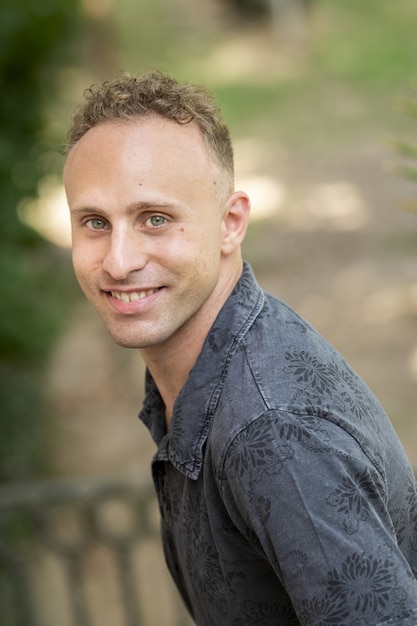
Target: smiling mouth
{"x": 133, "y": 296}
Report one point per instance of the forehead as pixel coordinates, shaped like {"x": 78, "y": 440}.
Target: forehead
{"x": 152, "y": 138}
{"x": 141, "y": 156}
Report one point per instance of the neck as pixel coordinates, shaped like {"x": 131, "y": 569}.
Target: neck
{"x": 171, "y": 362}
{"x": 171, "y": 366}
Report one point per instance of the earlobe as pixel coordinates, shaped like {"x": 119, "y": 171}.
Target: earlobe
{"x": 235, "y": 223}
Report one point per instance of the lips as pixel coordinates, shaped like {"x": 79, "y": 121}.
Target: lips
{"x": 132, "y": 296}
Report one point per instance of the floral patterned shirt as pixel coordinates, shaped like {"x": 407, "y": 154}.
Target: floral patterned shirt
{"x": 285, "y": 495}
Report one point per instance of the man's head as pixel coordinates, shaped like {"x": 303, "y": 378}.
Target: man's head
{"x": 155, "y": 94}
{"x": 156, "y": 224}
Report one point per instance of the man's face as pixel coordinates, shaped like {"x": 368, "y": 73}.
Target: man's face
{"x": 148, "y": 228}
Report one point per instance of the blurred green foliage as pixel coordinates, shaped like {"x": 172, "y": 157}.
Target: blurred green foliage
{"x": 34, "y": 37}
{"x": 406, "y": 150}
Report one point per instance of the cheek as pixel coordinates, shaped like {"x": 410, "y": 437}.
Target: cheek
{"x": 87, "y": 252}
{"x": 197, "y": 251}
{"x": 81, "y": 262}
{"x": 77, "y": 265}
{"x": 207, "y": 237}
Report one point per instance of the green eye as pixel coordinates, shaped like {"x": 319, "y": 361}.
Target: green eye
{"x": 157, "y": 220}
{"x": 97, "y": 224}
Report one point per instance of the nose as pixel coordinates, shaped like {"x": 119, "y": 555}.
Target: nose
{"x": 124, "y": 254}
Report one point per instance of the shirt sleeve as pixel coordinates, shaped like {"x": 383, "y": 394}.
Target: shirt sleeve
{"x": 310, "y": 501}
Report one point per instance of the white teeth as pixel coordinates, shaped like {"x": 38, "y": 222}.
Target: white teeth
{"x": 132, "y": 296}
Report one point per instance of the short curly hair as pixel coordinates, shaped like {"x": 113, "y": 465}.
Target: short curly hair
{"x": 154, "y": 94}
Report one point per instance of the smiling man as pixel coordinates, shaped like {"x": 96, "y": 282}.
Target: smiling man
{"x": 285, "y": 495}
{"x": 156, "y": 232}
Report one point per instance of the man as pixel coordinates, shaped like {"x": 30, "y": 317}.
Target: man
{"x": 285, "y": 495}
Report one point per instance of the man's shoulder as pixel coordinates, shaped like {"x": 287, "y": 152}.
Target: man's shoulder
{"x": 278, "y": 336}
{"x": 284, "y": 367}
{"x": 279, "y": 321}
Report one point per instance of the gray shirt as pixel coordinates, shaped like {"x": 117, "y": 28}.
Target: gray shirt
{"x": 285, "y": 495}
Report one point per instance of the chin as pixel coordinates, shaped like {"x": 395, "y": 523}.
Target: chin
{"x": 129, "y": 341}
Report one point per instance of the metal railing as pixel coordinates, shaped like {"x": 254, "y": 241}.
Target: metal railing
{"x": 84, "y": 553}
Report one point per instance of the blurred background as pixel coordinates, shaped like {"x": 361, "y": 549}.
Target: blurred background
{"x": 321, "y": 100}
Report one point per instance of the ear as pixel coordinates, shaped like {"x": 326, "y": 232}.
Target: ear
{"x": 235, "y": 221}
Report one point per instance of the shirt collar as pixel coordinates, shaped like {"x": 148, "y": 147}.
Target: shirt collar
{"x": 197, "y": 400}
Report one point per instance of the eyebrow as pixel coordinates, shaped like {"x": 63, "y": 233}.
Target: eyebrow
{"x": 130, "y": 210}
{"x": 148, "y": 205}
